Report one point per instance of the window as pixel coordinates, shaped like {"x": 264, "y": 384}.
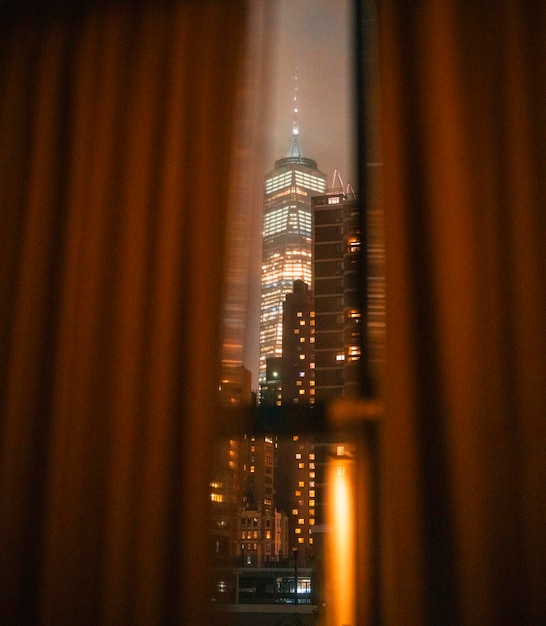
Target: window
{"x": 283, "y": 223}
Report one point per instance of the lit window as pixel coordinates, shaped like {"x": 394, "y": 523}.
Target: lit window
{"x": 301, "y": 483}
{"x": 297, "y": 531}
{"x": 301, "y": 540}
{"x": 268, "y": 532}
{"x": 310, "y": 540}
{"x": 311, "y": 503}
{"x": 302, "y": 357}
{"x": 301, "y": 520}
{"x": 340, "y": 357}
{"x": 312, "y": 522}
{"x": 302, "y": 322}
{"x": 295, "y": 511}
{"x": 340, "y": 450}
{"x": 252, "y": 468}
{"x": 312, "y": 456}
{"x": 295, "y": 437}
{"x": 312, "y": 493}
{"x": 301, "y": 465}
{"x": 298, "y": 455}
{"x": 302, "y": 392}
{"x": 216, "y": 497}
{"x": 311, "y": 465}
{"x": 297, "y": 493}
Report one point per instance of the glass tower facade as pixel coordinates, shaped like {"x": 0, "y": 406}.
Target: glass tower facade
{"x": 286, "y": 240}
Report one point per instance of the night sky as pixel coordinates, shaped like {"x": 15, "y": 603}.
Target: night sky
{"x": 312, "y": 40}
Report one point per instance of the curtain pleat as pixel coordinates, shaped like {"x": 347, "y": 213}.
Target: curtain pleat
{"x": 117, "y": 126}
{"x": 463, "y": 129}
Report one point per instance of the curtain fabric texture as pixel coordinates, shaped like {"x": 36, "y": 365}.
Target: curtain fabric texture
{"x": 116, "y": 126}
{"x": 116, "y": 122}
{"x": 463, "y": 92}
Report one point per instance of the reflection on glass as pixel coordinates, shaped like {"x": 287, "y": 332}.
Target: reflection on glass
{"x": 340, "y": 552}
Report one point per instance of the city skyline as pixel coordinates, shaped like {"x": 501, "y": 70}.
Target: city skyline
{"x": 310, "y": 41}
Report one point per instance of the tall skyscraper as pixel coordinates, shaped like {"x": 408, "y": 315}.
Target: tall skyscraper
{"x": 338, "y": 327}
{"x": 286, "y": 240}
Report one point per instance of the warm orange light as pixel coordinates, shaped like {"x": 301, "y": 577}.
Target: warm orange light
{"x": 340, "y": 595}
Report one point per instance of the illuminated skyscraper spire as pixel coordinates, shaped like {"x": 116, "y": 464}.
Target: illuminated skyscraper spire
{"x": 295, "y": 150}
{"x": 286, "y": 235}
{"x": 295, "y": 127}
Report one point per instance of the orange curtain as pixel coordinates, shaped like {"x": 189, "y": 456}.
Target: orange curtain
{"x": 116, "y": 126}
{"x": 464, "y": 453}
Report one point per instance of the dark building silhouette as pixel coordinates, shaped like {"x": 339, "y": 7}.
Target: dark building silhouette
{"x": 271, "y": 387}
{"x": 298, "y": 360}
{"x": 338, "y": 308}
